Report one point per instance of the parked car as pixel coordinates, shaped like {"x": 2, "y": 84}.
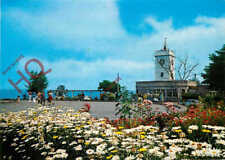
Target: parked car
{"x": 155, "y": 100}
{"x": 86, "y": 98}
{"x": 189, "y": 102}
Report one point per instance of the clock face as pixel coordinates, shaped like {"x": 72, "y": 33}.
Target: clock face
{"x": 162, "y": 62}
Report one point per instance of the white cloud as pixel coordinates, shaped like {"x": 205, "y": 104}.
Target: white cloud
{"x": 198, "y": 40}
{"x": 74, "y": 24}
{"x": 165, "y": 26}
{"x": 76, "y": 73}
{"x": 95, "y": 25}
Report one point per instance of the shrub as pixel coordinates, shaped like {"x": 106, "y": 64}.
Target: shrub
{"x": 201, "y": 116}
{"x": 111, "y": 96}
{"x": 214, "y": 101}
{"x": 190, "y": 96}
{"x": 108, "y": 96}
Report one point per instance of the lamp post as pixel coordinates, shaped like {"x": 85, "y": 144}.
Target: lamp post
{"x": 117, "y": 81}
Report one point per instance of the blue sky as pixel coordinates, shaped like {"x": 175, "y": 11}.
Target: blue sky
{"x": 87, "y": 41}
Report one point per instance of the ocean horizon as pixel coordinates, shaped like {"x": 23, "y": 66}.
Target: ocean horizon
{"x": 13, "y": 93}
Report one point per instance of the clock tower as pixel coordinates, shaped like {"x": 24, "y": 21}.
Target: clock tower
{"x": 164, "y": 64}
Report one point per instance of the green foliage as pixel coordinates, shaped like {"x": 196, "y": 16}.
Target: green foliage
{"x": 210, "y": 101}
{"x": 126, "y": 108}
{"x": 215, "y": 73}
{"x": 111, "y": 96}
{"x": 109, "y": 86}
{"x": 129, "y": 108}
{"x": 38, "y": 82}
{"x": 189, "y": 95}
{"x": 108, "y": 96}
{"x": 126, "y": 96}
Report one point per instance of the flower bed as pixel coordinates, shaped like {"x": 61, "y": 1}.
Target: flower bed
{"x": 51, "y": 133}
{"x": 199, "y": 115}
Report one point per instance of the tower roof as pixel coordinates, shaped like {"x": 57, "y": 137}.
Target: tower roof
{"x": 165, "y": 44}
{"x": 165, "y": 51}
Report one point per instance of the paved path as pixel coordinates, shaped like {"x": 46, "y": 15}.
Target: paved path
{"x": 98, "y": 109}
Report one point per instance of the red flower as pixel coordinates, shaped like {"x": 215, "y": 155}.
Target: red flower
{"x": 88, "y": 106}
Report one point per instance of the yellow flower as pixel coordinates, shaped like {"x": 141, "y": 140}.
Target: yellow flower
{"x": 68, "y": 114}
{"x": 65, "y": 126}
{"x": 189, "y": 131}
{"x": 9, "y": 124}
{"x": 80, "y": 141}
{"x": 182, "y": 135}
{"x": 103, "y": 122}
{"x": 119, "y": 133}
{"x": 89, "y": 122}
{"x": 41, "y": 139}
{"x": 178, "y": 130}
{"x": 103, "y": 135}
{"x": 21, "y": 131}
{"x": 54, "y": 137}
{"x": 152, "y": 130}
{"x": 18, "y": 120}
{"x": 121, "y": 127}
{"x": 109, "y": 157}
{"x": 142, "y": 137}
{"x": 24, "y": 137}
{"x": 87, "y": 143}
{"x": 114, "y": 151}
{"x": 142, "y": 150}
{"x": 206, "y": 130}
{"x": 214, "y": 132}
{"x": 142, "y": 132}
{"x": 77, "y": 128}
{"x": 45, "y": 111}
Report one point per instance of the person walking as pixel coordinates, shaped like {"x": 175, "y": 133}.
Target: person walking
{"x": 43, "y": 98}
{"x": 30, "y": 96}
{"x": 18, "y": 99}
{"x": 39, "y": 97}
{"x": 50, "y": 98}
{"x": 24, "y": 97}
{"x": 34, "y": 97}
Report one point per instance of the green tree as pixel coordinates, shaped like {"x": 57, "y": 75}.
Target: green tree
{"x": 214, "y": 74}
{"x": 109, "y": 86}
{"x": 38, "y": 82}
{"x": 61, "y": 90}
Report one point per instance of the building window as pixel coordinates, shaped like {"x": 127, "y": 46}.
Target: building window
{"x": 161, "y": 62}
{"x": 161, "y": 75}
{"x": 175, "y": 92}
{"x": 169, "y": 92}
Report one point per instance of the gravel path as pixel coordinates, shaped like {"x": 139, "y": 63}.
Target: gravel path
{"x": 98, "y": 109}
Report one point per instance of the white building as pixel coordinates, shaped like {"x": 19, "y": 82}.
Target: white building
{"x": 164, "y": 64}
{"x": 165, "y": 84}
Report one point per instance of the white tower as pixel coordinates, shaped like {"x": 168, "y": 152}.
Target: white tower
{"x": 164, "y": 64}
